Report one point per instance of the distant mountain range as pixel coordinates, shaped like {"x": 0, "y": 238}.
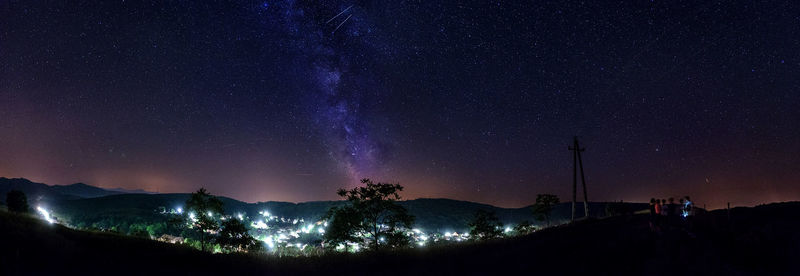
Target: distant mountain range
{"x": 83, "y": 204}
{"x": 39, "y": 191}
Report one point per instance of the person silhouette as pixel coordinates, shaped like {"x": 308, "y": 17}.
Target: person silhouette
{"x": 653, "y": 214}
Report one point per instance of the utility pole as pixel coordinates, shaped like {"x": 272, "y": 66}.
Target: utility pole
{"x": 576, "y": 162}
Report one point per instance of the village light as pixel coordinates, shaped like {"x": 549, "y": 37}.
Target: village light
{"x": 259, "y": 225}
{"x": 270, "y": 243}
{"x": 179, "y": 210}
{"x": 45, "y": 214}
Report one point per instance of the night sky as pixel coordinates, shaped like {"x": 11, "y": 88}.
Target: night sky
{"x": 478, "y": 100}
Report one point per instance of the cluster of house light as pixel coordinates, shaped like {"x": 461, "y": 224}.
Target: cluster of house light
{"x": 269, "y": 229}
{"x": 277, "y": 232}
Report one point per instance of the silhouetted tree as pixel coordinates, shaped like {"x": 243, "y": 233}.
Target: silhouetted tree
{"x": 234, "y": 236}
{"x": 17, "y": 201}
{"x": 543, "y": 207}
{"x": 344, "y": 226}
{"x": 202, "y": 207}
{"x": 396, "y": 239}
{"x": 379, "y": 216}
{"x": 485, "y": 225}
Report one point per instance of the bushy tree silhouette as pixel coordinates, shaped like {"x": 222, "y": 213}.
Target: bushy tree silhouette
{"x": 202, "y": 208}
{"x": 543, "y": 207}
{"x": 235, "y": 237}
{"x": 17, "y": 201}
{"x": 371, "y": 210}
{"x": 485, "y": 225}
{"x": 345, "y": 224}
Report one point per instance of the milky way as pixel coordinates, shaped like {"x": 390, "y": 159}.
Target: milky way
{"x": 343, "y": 93}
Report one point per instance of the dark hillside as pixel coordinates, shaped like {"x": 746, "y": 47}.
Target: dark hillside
{"x": 431, "y": 214}
{"x": 763, "y": 240}
{"x": 82, "y": 205}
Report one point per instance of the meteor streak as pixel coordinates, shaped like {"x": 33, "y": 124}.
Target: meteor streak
{"x": 340, "y": 13}
{"x": 340, "y": 24}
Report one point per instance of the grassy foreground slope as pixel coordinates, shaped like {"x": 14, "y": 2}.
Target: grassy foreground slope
{"x": 764, "y": 240}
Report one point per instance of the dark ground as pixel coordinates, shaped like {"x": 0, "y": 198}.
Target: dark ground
{"x": 763, "y": 240}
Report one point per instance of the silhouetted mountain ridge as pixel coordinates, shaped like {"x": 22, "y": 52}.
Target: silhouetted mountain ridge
{"x": 43, "y": 192}
{"x": 431, "y": 214}
{"x": 85, "y": 205}
{"x": 83, "y": 190}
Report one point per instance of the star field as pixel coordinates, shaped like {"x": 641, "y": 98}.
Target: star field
{"x": 472, "y": 100}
